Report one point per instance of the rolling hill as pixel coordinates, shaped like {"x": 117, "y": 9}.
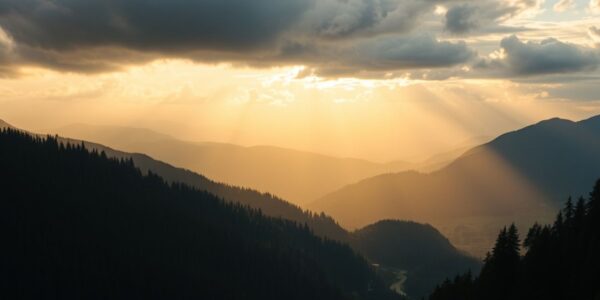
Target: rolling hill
{"x": 522, "y": 175}
{"x": 424, "y": 256}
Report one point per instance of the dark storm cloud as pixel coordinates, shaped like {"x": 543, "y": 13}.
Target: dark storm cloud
{"x": 378, "y": 56}
{"x": 343, "y": 18}
{"x": 165, "y": 25}
{"x": 103, "y": 35}
{"x": 547, "y": 57}
{"x": 359, "y": 38}
{"x": 371, "y": 38}
{"x": 484, "y": 15}
{"x": 411, "y": 52}
{"x": 460, "y": 18}
{"x": 357, "y": 16}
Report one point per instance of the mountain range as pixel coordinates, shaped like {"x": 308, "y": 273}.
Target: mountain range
{"x": 420, "y": 275}
{"x": 299, "y": 177}
{"x": 522, "y": 176}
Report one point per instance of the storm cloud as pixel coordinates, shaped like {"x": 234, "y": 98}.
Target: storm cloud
{"x": 345, "y": 18}
{"x": 465, "y": 17}
{"x": 155, "y": 25}
{"x": 103, "y": 35}
{"x": 100, "y": 35}
{"x": 411, "y": 52}
{"x": 329, "y": 37}
{"x": 462, "y": 18}
{"x": 549, "y": 56}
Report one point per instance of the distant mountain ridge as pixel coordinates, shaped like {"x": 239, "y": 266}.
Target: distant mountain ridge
{"x": 297, "y": 176}
{"x": 522, "y": 175}
{"x": 270, "y": 205}
{"x": 321, "y": 224}
{"x": 543, "y": 153}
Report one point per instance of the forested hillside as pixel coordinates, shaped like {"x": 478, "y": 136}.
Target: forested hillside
{"x": 81, "y": 225}
{"x": 561, "y": 261}
{"x": 419, "y": 250}
{"x": 270, "y": 205}
{"x": 407, "y": 243}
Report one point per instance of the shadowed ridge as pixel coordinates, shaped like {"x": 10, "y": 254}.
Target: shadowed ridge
{"x": 592, "y": 123}
{"x": 420, "y": 250}
{"x": 520, "y": 176}
{"x": 549, "y": 126}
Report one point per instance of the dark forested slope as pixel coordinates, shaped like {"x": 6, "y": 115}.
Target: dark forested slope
{"x": 419, "y": 250}
{"x": 269, "y": 204}
{"x": 406, "y": 244}
{"x": 80, "y": 225}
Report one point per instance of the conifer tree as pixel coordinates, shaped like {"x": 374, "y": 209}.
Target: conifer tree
{"x": 561, "y": 262}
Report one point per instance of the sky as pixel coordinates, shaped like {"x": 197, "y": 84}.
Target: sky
{"x": 376, "y": 79}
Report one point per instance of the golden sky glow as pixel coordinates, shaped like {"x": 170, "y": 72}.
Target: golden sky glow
{"x": 374, "y": 119}
{"x": 347, "y": 107}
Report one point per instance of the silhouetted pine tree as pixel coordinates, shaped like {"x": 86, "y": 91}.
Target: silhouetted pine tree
{"x": 562, "y": 260}
{"x": 499, "y": 273}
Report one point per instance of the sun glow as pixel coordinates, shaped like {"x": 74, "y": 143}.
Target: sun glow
{"x": 280, "y": 106}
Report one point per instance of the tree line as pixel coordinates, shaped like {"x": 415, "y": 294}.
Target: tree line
{"x": 80, "y": 225}
{"x": 552, "y": 262}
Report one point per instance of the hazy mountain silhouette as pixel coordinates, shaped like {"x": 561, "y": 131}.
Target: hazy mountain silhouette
{"x": 420, "y": 250}
{"x": 443, "y": 159}
{"x": 522, "y": 175}
{"x": 297, "y": 176}
{"x": 78, "y": 224}
{"x": 406, "y": 245}
{"x": 270, "y": 205}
